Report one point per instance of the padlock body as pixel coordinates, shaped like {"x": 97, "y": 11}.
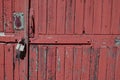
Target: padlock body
{"x": 18, "y": 46}
{"x": 21, "y": 47}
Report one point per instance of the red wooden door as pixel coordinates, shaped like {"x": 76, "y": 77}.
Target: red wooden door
{"x": 66, "y": 39}
{"x": 13, "y": 27}
{"x": 74, "y": 40}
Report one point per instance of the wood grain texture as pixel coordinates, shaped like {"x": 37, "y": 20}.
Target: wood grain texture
{"x": 111, "y": 63}
{"x": 33, "y": 62}
{"x": 69, "y": 63}
{"x": 61, "y": 10}
{"x": 97, "y": 16}
{"x": 42, "y": 16}
{"x": 88, "y": 17}
{"x": 94, "y": 63}
{"x": 115, "y": 22}
{"x": 103, "y": 64}
{"x": 77, "y": 63}
{"x": 42, "y": 69}
{"x": 2, "y": 61}
{"x": 9, "y": 62}
{"x": 8, "y": 16}
{"x": 1, "y": 16}
{"x": 51, "y": 60}
{"x": 51, "y": 16}
{"x": 79, "y": 15}
{"x": 106, "y": 16}
{"x": 86, "y": 63}
{"x": 70, "y": 13}
{"x": 60, "y": 61}
{"x": 117, "y": 70}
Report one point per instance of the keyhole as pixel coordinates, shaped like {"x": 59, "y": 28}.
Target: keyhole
{"x": 18, "y": 22}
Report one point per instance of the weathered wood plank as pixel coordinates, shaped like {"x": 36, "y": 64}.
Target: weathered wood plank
{"x": 51, "y": 60}
{"x": 33, "y": 62}
{"x": 51, "y": 16}
{"x": 42, "y": 68}
{"x": 79, "y": 13}
{"x": 69, "y": 63}
{"x": 61, "y": 9}
{"x": 77, "y": 64}
{"x": 8, "y": 16}
{"x": 9, "y": 62}
{"x": 60, "y": 61}
{"x": 42, "y": 16}
{"x": 2, "y": 62}
{"x": 70, "y": 19}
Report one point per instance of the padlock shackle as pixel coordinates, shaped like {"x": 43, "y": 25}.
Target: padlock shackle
{"x": 22, "y": 41}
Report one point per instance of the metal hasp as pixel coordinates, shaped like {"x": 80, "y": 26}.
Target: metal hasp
{"x": 18, "y": 21}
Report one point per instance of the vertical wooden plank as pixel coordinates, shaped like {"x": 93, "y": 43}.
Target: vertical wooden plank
{"x": 117, "y": 66}
{"x": 111, "y": 63}
{"x": 9, "y": 62}
{"x": 33, "y": 62}
{"x": 2, "y": 67}
{"x": 97, "y": 16}
{"x": 16, "y": 4}
{"x": 106, "y": 16}
{"x": 24, "y": 7}
{"x": 69, "y": 63}
{"x": 51, "y": 17}
{"x": 79, "y": 16}
{"x": 8, "y": 16}
{"x": 88, "y": 19}
{"x": 23, "y": 69}
{"x": 36, "y": 17}
{"x": 19, "y": 5}
{"x": 60, "y": 61}
{"x": 1, "y": 16}
{"x": 42, "y": 70}
{"x": 115, "y": 26}
{"x": 102, "y": 64}
{"x": 42, "y": 15}
{"x": 77, "y": 65}
{"x": 51, "y": 60}
{"x": 85, "y": 63}
{"x": 16, "y": 66}
{"x": 61, "y": 7}
{"x": 94, "y": 62}
{"x": 70, "y": 19}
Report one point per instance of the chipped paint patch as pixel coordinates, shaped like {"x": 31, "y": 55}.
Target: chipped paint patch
{"x": 58, "y": 63}
{"x": 2, "y": 34}
{"x": 117, "y": 42}
{"x": 37, "y": 51}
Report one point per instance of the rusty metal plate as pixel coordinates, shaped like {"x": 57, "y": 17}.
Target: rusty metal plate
{"x": 18, "y": 21}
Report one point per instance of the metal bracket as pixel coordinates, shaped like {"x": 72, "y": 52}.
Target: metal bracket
{"x": 18, "y": 21}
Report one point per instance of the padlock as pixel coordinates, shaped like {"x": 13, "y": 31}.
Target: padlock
{"x": 21, "y": 49}
{"x": 20, "y": 46}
